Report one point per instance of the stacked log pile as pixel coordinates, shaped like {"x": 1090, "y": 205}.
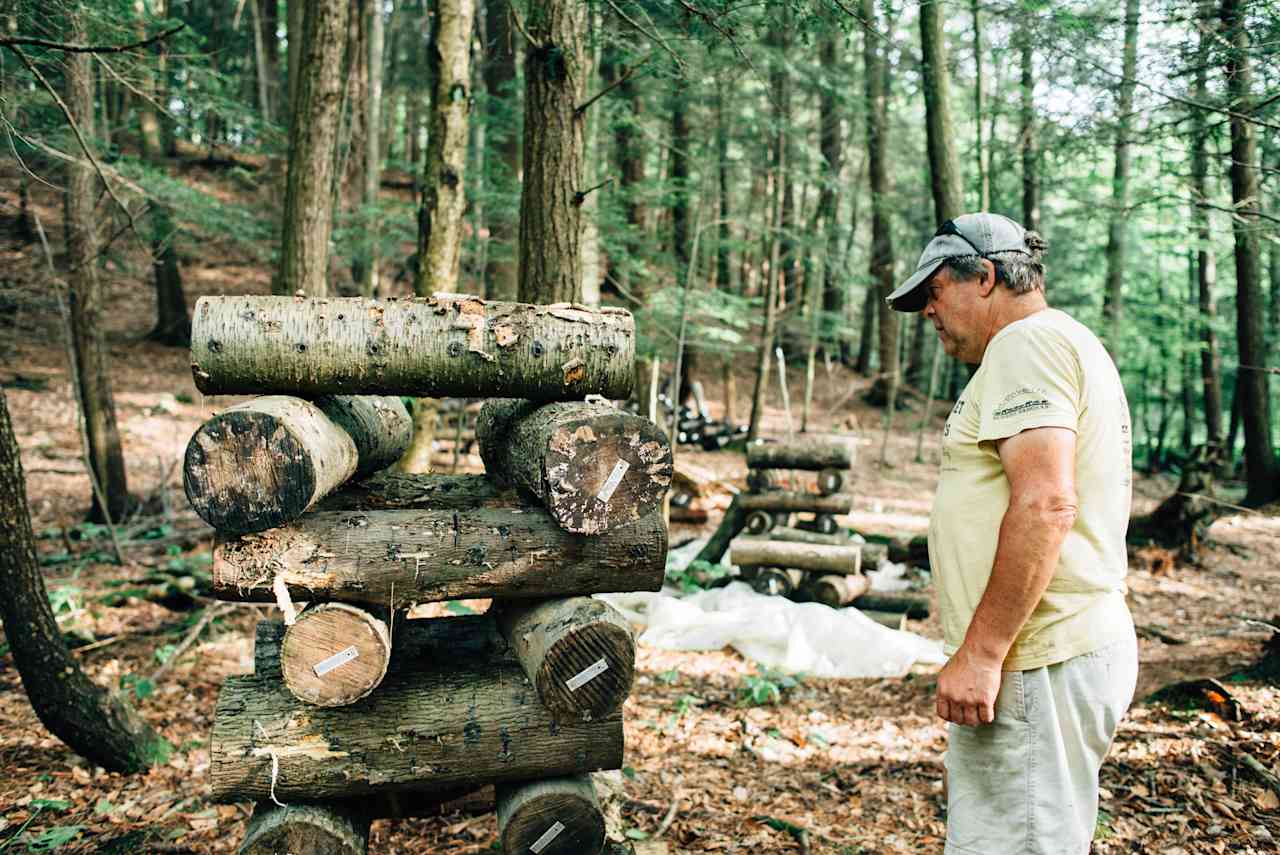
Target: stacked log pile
{"x": 354, "y": 712}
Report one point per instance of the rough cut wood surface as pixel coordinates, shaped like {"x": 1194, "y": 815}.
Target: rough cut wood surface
{"x": 579, "y": 652}
{"x": 316, "y": 829}
{"x": 554, "y": 816}
{"x": 840, "y": 503}
{"x": 463, "y": 723}
{"x": 262, "y": 463}
{"x": 802, "y": 453}
{"x": 825, "y": 558}
{"x": 592, "y": 465}
{"x": 836, "y": 591}
{"x": 334, "y": 654}
{"x": 430, "y": 555}
{"x": 446, "y": 345}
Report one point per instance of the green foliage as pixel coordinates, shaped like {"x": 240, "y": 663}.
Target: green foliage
{"x": 141, "y": 687}
{"x": 766, "y": 686}
{"x": 696, "y": 576}
{"x": 64, "y": 599}
{"x": 52, "y": 839}
{"x": 458, "y": 608}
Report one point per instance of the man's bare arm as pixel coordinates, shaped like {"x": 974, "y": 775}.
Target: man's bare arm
{"x": 1040, "y": 466}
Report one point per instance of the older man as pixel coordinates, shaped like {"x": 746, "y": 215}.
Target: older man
{"x": 1027, "y": 545}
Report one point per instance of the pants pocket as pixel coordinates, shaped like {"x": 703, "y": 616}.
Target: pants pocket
{"x": 1011, "y": 701}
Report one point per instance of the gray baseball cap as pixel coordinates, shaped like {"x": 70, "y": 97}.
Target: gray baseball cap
{"x": 970, "y": 234}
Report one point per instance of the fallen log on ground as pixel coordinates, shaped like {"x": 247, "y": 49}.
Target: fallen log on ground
{"x": 334, "y": 654}
{"x": 321, "y": 829}
{"x": 262, "y": 463}
{"x": 555, "y": 816}
{"x": 806, "y": 453}
{"x": 462, "y": 723}
{"x": 592, "y": 466}
{"x": 578, "y": 652}
{"x": 824, "y": 558}
{"x": 914, "y": 605}
{"x": 838, "y": 503}
{"x": 798, "y": 535}
{"x": 413, "y": 553}
{"x": 836, "y": 591}
{"x": 447, "y": 345}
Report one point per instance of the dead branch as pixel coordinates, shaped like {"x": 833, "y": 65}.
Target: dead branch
{"x": 70, "y": 48}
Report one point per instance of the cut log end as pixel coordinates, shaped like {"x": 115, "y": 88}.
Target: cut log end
{"x": 334, "y": 655}
{"x": 314, "y": 829}
{"x": 837, "y": 591}
{"x": 831, "y": 481}
{"x": 557, "y": 816}
{"x": 758, "y": 522}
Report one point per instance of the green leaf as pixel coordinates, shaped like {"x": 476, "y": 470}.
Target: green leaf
{"x": 669, "y": 677}
{"x": 165, "y": 652}
{"x": 53, "y": 838}
{"x": 104, "y": 806}
{"x": 629, "y": 772}
{"x": 458, "y": 608}
{"x": 51, "y": 804}
{"x": 636, "y": 834}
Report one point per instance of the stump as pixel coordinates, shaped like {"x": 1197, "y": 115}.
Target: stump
{"x": 334, "y": 655}
{"x": 316, "y": 829}
{"x": 805, "y": 453}
{"x": 592, "y": 466}
{"x": 579, "y": 653}
{"x": 554, "y": 816}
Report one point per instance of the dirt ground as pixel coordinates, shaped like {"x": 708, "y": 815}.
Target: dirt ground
{"x": 841, "y": 766}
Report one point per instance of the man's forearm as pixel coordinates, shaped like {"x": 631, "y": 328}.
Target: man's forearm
{"x": 1031, "y": 536}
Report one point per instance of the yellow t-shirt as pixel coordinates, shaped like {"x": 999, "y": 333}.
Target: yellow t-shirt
{"x": 1046, "y": 370}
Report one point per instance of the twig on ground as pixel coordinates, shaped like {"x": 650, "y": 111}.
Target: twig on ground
{"x": 1261, "y": 771}
{"x": 210, "y": 614}
{"x": 670, "y": 817}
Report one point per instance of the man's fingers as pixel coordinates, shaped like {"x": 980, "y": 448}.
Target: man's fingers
{"x": 944, "y": 711}
{"x": 970, "y": 714}
{"x": 987, "y": 713}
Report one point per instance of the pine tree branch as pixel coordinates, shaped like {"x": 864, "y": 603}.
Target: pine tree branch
{"x": 70, "y": 48}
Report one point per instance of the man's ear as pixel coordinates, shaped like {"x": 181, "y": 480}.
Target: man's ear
{"x": 988, "y": 280}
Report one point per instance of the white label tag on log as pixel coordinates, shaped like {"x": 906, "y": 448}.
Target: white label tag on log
{"x": 342, "y": 657}
{"x": 586, "y": 675}
{"x": 545, "y": 840}
{"x": 615, "y": 478}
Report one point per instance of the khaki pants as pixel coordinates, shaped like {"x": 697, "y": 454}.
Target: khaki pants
{"x": 1027, "y": 784}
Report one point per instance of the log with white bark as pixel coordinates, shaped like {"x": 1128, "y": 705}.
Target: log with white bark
{"x": 594, "y": 467}
{"x": 462, "y": 723}
{"x": 823, "y": 558}
{"x": 554, "y": 816}
{"x": 579, "y": 652}
{"x": 262, "y": 463}
{"x": 803, "y": 453}
{"x": 446, "y": 345}
{"x": 334, "y": 654}
{"x": 839, "y": 503}
{"x": 415, "y": 552}
{"x": 834, "y": 590}
{"x": 317, "y": 829}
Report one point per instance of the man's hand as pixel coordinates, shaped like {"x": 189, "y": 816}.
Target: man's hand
{"x": 967, "y": 688}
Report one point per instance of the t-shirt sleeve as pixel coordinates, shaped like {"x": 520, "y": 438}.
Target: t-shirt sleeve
{"x": 1032, "y": 380}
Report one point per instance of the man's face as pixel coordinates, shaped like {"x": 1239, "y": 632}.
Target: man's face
{"x": 960, "y": 312}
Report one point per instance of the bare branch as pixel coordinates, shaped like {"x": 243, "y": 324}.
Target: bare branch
{"x": 627, "y": 75}
{"x": 581, "y": 196}
{"x": 70, "y": 48}
{"x": 652, "y": 36}
{"x": 515, "y": 16}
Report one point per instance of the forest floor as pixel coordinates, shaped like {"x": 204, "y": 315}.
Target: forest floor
{"x": 841, "y": 766}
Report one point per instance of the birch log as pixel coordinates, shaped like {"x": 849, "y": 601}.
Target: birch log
{"x": 824, "y": 558}
{"x": 809, "y": 453}
{"x": 334, "y": 654}
{"x": 555, "y": 816}
{"x": 446, "y": 345}
{"x": 592, "y": 466}
{"x": 839, "y": 503}
{"x": 262, "y": 463}
{"x": 579, "y": 653}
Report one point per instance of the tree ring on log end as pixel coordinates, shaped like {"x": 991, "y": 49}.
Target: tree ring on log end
{"x": 588, "y": 672}
{"x": 758, "y": 522}
{"x": 830, "y": 481}
{"x": 556, "y": 816}
{"x": 334, "y": 655}
{"x": 826, "y": 523}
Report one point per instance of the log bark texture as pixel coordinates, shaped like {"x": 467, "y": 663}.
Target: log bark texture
{"x": 915, "y": 606}
{"x": 579, "y": 653}
{"x": 839, "y": 503}
{"x": 317, "y": 829}
{"x": 555, "y": 816}
{"x": 262, "y": 463}
{"x": 824, "y": 558}
{"x": 420, "y": 553}
{"x": 334, "y": 654}
{"x": 798, "y": 535}
{"x": 592, "y": 466}
{"x": 808, "y": 453}
{"x": 464, "y": 723}
{"x": 446, "y": 345}
{"x": 836, "y": 591}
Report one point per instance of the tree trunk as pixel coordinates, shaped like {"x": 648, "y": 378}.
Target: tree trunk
{"x": 334, "y": 654}
{"x": 760, "y": 552}
{"x": 94, "y": 723}
{"x": 1262, "y": 473}
{"x": 870, "y": 310}
{"x": 443, "y": 182}
{"x": 592, "y": 466}
{"x": 370, "y": 284}
{"x": 296, "y": 11}
{"x": 1206, "y": 263}
{"x": 982, "y": 155}
{"x": 1028, "y": 143}
{"x": 944, "y": 163}
{"x": 839, "y": 503}
{"x": 881, "y": 260}
{"x": 724, "y": 234}
{"x": 804, "y": 453}
{"x": 91, "y": 370}
{"x": 831, "y": 143}
{"x": 318, "y": 829}
{"x": 261, "y": 71}
{"x": 772, "y": 283}
{"x": 578, "y": 652}
{"x": 550, "y": 215}
{"x": 553, "y": 816}
{"x": 502, "y": 132}
{"x": 445, "y": 345}
{"x": 1113, "y": 297}
{"x": 313, "y": 131}
{"x": 263, "y": 463}
{"x": 443, "y": 545}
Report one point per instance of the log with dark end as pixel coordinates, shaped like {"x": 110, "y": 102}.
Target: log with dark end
{"x": 759, "y": 522}
{"x": 446, "y": 345}
{"x": 822, "y": 558}
{"x": 838, "y": 503}
{"x": 460, "y": 724}
{"x": 553, "y": 816}
{"x": 798, "y": 535}
{"x": 316, "y": 829}
{"x": 826, "y": 523}
{"x": 761, "y": 480}
{"x": 593, "y": 466}
{"x": 807, "y": 453}
{"x": 773, "y": 581}
{"x": 579, "y": 652}
{"x": 335, "y": 654}
{"x": 260, "y": 464}
{"x": 419, "y": 553}
{"x": 831, "y": 481}
{"x": 915, "y": 606}
{"x": 836, "y": 591}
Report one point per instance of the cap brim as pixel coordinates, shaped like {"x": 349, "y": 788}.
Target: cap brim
{"x": 912, "y": 296}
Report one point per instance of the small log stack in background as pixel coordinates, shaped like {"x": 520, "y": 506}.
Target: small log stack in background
{"x": 354, "y": 712}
